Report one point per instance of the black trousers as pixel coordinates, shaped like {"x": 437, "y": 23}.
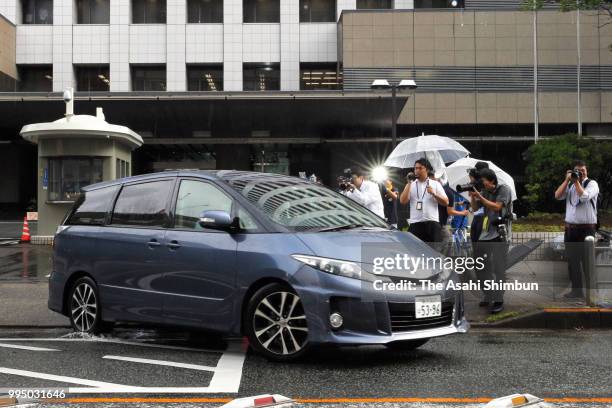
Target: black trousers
{"x": 574, "y": 252}
{"x": 495, "y": 254}
{"x": 476, "y": 227}
{"x": 427, "y": 231}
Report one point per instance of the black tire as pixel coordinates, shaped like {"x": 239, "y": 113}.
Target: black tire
{"x": 406, "y": 345}
{"x": 278, "y": 338}
{"x": 84, "y": 294}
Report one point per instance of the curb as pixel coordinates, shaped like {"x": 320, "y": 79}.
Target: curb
{"x": 557, "y": 318}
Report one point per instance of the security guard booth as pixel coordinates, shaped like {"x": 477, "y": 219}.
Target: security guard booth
{"x": 73, "y": 152}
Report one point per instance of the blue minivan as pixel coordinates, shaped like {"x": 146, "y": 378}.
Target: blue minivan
{"x": 275, "y": 258}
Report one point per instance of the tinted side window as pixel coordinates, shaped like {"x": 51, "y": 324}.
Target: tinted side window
{"x": 195, "y": 197}
{"x": 143, "y": 204}
{"x": 91, "y": 208}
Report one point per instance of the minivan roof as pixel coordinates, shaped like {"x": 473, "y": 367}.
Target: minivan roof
{"x": 224, "y": 175}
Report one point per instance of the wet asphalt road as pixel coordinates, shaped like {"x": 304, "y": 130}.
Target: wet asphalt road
{"x": 481, "y": 364}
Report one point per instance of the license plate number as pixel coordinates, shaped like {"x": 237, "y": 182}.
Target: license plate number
{"x": 428, "y": 306}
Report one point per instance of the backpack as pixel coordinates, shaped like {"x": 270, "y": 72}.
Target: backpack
{"x": 595, "y": 203}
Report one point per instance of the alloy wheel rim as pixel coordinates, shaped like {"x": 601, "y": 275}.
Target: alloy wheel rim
{"x": 280, "y": 324}
{"x": 84, "y": 307}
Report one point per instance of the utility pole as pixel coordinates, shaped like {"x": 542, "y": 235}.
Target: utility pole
{"x": 536, "y": 118}
{"x": 578, "y": 49}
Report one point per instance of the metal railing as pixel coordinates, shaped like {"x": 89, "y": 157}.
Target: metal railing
{"x": 598, "y": 272}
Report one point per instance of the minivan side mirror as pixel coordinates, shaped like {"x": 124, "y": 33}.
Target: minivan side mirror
{"x": 215, "y": 219}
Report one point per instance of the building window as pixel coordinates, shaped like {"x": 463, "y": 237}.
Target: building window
{"x": 261, "y": 76}
{"x": 317, "y": 11}
{"x": 439, "y": 4}
{"x": 68, "y": 175}
{"x": 148, "y": 11}
{"x": 261, "y": 11}
{"x": 374, "y": 4}
{"x": 205, "y": 11}
{"x": 148, "y": 78}
{"x": 92, "y": 78}
{"x": 37, "y": 11}
{"x": 35, "y": 78}
{"x": 122, "y": 169}
{"x": 319, "y": 76}
{"x": 93, "y": 11}
{"x": 207, "y": 77}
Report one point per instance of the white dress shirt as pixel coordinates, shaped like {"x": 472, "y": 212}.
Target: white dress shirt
{"x": 369, "y": 196}
{"x": 418, "y": 193}
{"x": 579, "y": 210}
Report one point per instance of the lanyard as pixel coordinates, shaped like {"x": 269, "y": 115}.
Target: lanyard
{"x": 417, "y": 191}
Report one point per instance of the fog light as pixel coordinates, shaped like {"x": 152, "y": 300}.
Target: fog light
{"x": 335, "y": 319}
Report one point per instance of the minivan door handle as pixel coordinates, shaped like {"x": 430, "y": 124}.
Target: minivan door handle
{"x": 173, "y": 245}
{"x": 153, "y": 243}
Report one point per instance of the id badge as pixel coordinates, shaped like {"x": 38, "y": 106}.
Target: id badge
{"x": 419, "y": 205}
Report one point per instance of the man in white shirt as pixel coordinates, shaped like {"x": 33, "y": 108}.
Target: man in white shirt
{"x": 365, "y": 192}
{"x": 580, "y": 195}
{"x": 424, "y": 196}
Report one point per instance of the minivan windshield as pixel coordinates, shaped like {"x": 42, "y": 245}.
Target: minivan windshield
{"x": 301, "y": 205}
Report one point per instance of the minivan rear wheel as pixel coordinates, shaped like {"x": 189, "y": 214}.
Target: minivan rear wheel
{"x": 275, "y": 323}
{"x": 84, "y": 307}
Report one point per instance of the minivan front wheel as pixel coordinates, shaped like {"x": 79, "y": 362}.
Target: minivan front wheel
{"x": 84, "y": 307}
{"x": 276, "y": 323}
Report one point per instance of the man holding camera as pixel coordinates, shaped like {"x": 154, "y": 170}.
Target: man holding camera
{"x": 496, "y": 200}
{"x": 424, "y": 196}
{"x": 580, "y": 195}
{"x": 364, "y": 192}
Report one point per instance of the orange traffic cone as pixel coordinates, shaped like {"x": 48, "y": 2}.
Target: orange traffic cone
{"x": 25, "y": 235}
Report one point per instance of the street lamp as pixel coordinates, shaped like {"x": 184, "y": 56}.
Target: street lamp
{"x": 383, "y": 85}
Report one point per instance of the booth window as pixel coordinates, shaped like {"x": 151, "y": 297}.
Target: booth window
{"x": 205, "y": 77}
{"x": 319, "y": 76}
{"x": 317, "y": 11}
{"x": 261, "y": 11}
{"x": 92, "y": 78}
{"x": 261, "y": 76}
{"x": 122, "y": 168}
{"x": 148, "y": 78}
{"x": 35, "y": 78}
{"x": 374, "y": 4}
{"x": 67, "y": 175}
{"x": 148, "y": 11}
{"x": 37, "y": 11}
{"x": 204, "y": 11}
{"x": 143, "y": 205}
{"x": 93, "y": 11}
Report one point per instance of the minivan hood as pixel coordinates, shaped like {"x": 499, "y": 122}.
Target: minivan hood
{"x": 347, "y": 245}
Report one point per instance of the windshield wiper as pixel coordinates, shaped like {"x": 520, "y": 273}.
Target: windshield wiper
{"x": 340, "y": 227}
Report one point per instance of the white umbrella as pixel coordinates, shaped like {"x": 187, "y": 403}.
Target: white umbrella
{"x": 458, "y": 173}
{"x": 410, "y": 150}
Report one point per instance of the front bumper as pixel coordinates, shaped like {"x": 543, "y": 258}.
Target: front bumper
{"x": 367, "y": 319}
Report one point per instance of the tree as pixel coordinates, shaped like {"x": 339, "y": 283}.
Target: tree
{"x": 602, "y": 6}
{"x": 548, "y": 161}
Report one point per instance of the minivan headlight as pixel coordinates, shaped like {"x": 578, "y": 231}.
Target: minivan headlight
{"x": 333, "y": 266}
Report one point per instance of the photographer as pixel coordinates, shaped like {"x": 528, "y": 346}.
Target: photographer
{"x": 364, "y": 192}
{"x": 496, "y": 200}
{"x": 476, "y": 226}
{"x": 390, "y": 196}
{"x": 424, "y": 196}
{"x": 580, "y": 195}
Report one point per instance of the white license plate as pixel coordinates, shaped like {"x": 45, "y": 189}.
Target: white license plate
{"x": 427, "y": 306}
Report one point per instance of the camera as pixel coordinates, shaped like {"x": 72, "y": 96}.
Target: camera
{"x": 575, "y": 175}
{"x": 477, "y": 184}
{"x": 344, "y": 183}
{"x": 410, "y": 177}
{"x": 501, "y": 223}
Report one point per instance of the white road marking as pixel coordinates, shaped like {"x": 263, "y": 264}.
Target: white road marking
{"x": 161, "y": 362}
{"x": 227, "y": 375}
{"x": 16, "y": 346}
{"x": 60, "y": 378}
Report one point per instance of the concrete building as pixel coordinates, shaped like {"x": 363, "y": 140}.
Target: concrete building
{"x": 283, "y": 85}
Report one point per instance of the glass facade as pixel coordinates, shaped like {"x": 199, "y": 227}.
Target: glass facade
{"x": 92, "y": 78}
{"x": 261, "y": 76}
{"x": 374, "y": 4}
{"x": 205, "y": 77}
{"x": 37, "y": 11}
{"x": 317, "y": 11}
{"x": 319, "y": 76}
{"x": 35, "y": 78}
{"x": 148, "y": 77}
{"x": 148, "y": 11}
{"x": 93, "y": 11}
{"x": 204, "y": 11}
{"x": 261, "y": 11}
{"x": 439, "y": 4}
